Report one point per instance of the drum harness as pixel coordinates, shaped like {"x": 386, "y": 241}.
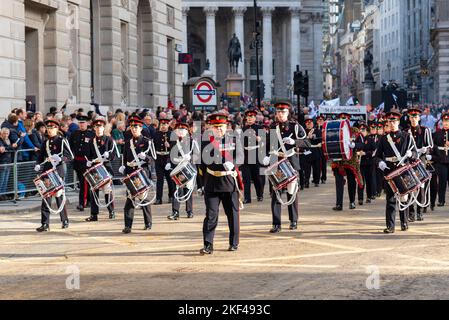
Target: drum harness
{"x": 191, "y": 183}
{"x": 60, "y": 192}
{"x": 140, "y": 203}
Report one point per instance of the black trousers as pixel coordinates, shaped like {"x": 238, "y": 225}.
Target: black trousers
{"x": 443, "y": 170}
{"x": 94, "y": 209}
{"x": 84, "y": 188}
{"x": 230, "y": 202}
{"x": 302, "y": 165}
{"x": 323, "y": 167}
{"x": 129, "y": 214}
{"x": 379, "y": 181}
{"x": 189, "y": 203}
{"x": 162, "y": 174}
{"x": 251, "y": 172}
{"x": 390, "y": 210}
{"x": 276, "y": 209}
{"x": 369, "y": 182}
{"x": 311, "y": 165}
{"x": 45, "y": 213}
{"x": 433, "y": 188}
{"x": 340, "y": 184}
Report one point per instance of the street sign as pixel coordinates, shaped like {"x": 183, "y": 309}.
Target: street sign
{"x": 204, "y": 95}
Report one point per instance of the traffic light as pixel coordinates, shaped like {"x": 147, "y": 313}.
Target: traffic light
{"x": 305, "y": 85}
{"x": 298, "y": 80}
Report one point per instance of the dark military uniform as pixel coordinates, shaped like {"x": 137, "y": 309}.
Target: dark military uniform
{"x": 312, "y": 160}
{"x": 380, "y": 180}
{"x": 163, "y": 157}
{"x": 323, "y": 160}
{"x": 440, "y": 156}
{"x": 80, "y": 143}
{"x": 251, "y": 166}
{"x": 104, "y": 144}
{"x": 367, "y": 167}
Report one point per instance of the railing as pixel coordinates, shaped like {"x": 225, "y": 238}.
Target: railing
{"x": 17, "y": 177}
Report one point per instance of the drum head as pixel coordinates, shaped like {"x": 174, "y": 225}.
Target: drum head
{"x": 345, "y": 134}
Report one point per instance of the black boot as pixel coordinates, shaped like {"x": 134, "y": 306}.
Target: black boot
{"x": 337, "y": 208}
{"x": 158, "y": 202}
{"x": 389, "y": 230}
{"x": 420, "y": 217}
{"x": 92, "y": 218}
{"x": 174, "y": 215}
{"x": 276, "y": 229}
{"x": 189, "y": 215}
{"x": 147, "y": 227}
{"x": 207, "y": 249}
{"x": 112, "y": 215}
{"x": 293, "y": 225}
{"x": 352, "y": 206}
{"x": 126, "y": 230}
{"x": 404, "y": 227}
{"x": 65, "y": 224}
{"x": 80, "y": 208}
{"x": 233, "y": 248}
{"x": 361, "y": 202}
{"x": 43, "y": 228}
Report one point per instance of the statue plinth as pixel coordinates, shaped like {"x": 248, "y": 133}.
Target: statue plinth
{"x": 234, "y": 82}
{"x": 368, "y": 85}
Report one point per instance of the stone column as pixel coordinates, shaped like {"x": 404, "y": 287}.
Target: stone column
{"x": 239, "y": 30}
{"x": 295, "y": 40}
{"x": 267, "y": 50}
{"x": 185, "y": 46}
{"x": 211, "y": 45}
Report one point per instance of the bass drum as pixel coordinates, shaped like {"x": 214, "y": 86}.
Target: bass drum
{"x": 336, "y": 140}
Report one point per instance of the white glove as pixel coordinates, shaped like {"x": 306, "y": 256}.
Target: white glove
{"x": 168, "y": 166}
{"x": 142, "y": 156}
{"x": 89, "y": 164}
{"x": 186, "y": 157}
{"x": 383, "y": 166}
{"x": 228, "y": 166}
{"x": 37, "y": 168}
{"x": 351, "y": 145}
{"x": 106, "y": 155}
{"x": 291, "y": 187}
{"x": 408, "y": 154}
{"x": 306, "y": 153}
{"x": 121, "y": 169}
{"x": 200, "y": 191}
{"x": 428, "y": 157}
{"x": 422, "y": 150}
{"x": 55, "y": 158}
{"x": 288, "y": 140}
{"x": 266, "y": 161}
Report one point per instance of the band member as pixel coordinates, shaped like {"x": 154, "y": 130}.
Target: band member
{"x": 286, "y": 133}
{"x": 342, "y": 169}
{"x": 221, "y": 153}
{"x": 379, "y": 173}
{"x": 55, "y": 149}
{"x": 80, "y": 142}
{"x": 162, "y": 146}
{"x": 394, "y": 149}
{"x": 251, "y": 167}
{"x": 181, "y": 151}
{"x": 135, "y": 156}
{"x": 101, "y": 151}
{"x": 440, "y": 155}
{"x": 323, "y": 161}
{"x": 313, "y": 157}
{"x": 424, "y": 144}
{"x": 366, "y": 145}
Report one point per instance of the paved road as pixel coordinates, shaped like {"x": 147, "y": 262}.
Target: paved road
{"x": 341, "y": 255}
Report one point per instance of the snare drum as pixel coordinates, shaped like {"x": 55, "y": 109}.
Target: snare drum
{"x": 137, "y": 183}
{"x": 336, "y": 140}
{"x": 98, "y": 177}
{"x": 421, "y": 171}
{"x": 403, "y": 181}
{"x": 49, "y": 183}
{"x": 281, "y": 174}
{"x": 183, "y": 173}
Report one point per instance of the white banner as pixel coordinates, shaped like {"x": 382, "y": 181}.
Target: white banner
{"x": 357, "y": 112}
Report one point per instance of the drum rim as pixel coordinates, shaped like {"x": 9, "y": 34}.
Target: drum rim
{"x": 45, "y": 173}
{"x": 283, "y": 184}
{"x": 275, "y": 164}
{"x": 390, "y": 176}
{"x": 343, "y": 156}
{"x": 178, "y": 167}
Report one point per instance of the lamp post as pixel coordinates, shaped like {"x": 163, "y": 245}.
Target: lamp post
{"x": 257, "y": 36}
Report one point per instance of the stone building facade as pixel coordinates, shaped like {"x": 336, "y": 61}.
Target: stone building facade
{"x": 291, "y": 33}
{"x": 117, "y": 53}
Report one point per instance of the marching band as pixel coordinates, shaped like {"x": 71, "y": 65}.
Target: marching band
{"x": 411, "y": 165}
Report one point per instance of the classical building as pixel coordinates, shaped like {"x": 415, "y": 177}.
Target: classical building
{"x": 117, "y": 53}
{"x": 291, "y": 34}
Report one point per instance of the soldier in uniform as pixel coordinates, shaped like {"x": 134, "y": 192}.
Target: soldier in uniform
{"x": 395, "y": 142}
{"x": 440, "y": 155}
{"x": 181, "y": 151}
{"x": 101, "y": 150}
{"x": 162, "y": 146}
{"x": 221, "y": 153}
{"x": 287, "y": 134}
{"x": 251, "y": 167}
{"x": 54, "y": 150}
{"x": 366, "y": 146}
{"x": 424, "y": 144}
{"x": 136, "y": 156}
{"x": 80, "y": 142}
{"x": 323, "y": 161}
{"x": 313, "y": 157}
{"x": 379, "y": 173}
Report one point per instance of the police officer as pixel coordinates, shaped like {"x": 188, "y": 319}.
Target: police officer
{"x": 181, "y": 151}
{"x": 323, "y": 161}
{"x": 101, "y": 151}
{"x": 80, "y": 142}
{"x": 163, "y": 146}
{"x": 54, "y": 150}
{"x": 251, "y": 167}
{"x": 287, "y": 133}
{"x": 424, "y": 144}
{"x": 394, "y": 143}
{"x": 366, "y": 145}
{"x": 440, "y": 155}
{"x": 221, "y": 153}
{"x": 135, "y": 156}
{"x": 313, "y": 157}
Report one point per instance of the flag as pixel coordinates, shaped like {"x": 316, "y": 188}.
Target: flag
{"x": 350, "y": 101}
{"x": 379, "y": 109}
{"x": 312, "y": 110}
{"x": 395, "y": 97}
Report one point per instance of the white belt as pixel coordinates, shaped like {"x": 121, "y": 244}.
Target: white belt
{"x": 163, "y": 153}
{"x": 443, "y": 148}
{"x": 392, "y": 159}
{"x": 316, "y": 145}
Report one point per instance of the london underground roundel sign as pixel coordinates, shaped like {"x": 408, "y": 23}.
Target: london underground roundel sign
{"x": 204, "y": 94}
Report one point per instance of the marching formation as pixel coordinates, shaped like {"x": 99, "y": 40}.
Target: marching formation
{"x": 220, "y": 162}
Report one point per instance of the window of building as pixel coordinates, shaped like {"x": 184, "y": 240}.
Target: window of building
{"x": 170, "y": 16}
